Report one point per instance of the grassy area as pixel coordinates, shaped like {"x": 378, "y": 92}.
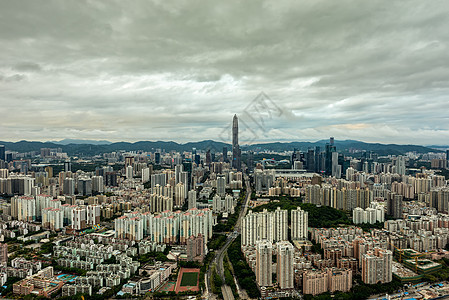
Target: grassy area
{"x": 189, "y": 279}
{"x": 323, "y": 216}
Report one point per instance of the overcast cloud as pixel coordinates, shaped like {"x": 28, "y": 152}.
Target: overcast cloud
{"x": 376, "y": 71}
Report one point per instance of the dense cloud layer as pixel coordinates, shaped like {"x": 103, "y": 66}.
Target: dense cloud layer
{"x": 179, "y": 70}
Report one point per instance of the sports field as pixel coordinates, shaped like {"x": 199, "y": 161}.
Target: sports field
{"x": 169, "y": 286}
{"x": 189, "y": 279}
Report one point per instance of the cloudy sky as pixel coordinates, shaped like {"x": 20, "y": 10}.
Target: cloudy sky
{"x": 376, "y": 71}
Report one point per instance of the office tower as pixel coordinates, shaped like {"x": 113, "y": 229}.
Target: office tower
{"x": 157, "y": 158}
{"x": 3, "y": 253}
{"x": 447, "y": 158}
{"x": 145, "y": 175}
{"x": 280, "y": 222}
{"x": 67, "y": 166}
{"x": 225, "y": 154}
{"x": 285, "y": 272}
{"x": 192, "y": 199}
{"x": 79, "y": 218}
{"x": 85, "y": 186}
{"x": 264, "y": 250}
{"x": 97, "y": 184}
{"x": 208, "y": 158}
{"x": 111, "y": 178}
{"x": 310, "y": 160}
{"x": 250, "y": 160}
{"x": 221, "y": 186}
{"x": 236, "y": 153}
{"x": 2, "y": 152}
{"x": 336, "y": 168}
{"x": 300, "y": 223}
{"x": 330, "y": 148}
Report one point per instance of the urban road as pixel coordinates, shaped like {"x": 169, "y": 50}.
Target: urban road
{"x": 218, "y": 260}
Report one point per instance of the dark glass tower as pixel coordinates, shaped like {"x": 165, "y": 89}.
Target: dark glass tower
{"x": 236, "y": 159}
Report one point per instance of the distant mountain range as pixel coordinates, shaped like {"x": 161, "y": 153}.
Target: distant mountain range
{"x": 87, "y": 147}
{"x": 81, "y": 142}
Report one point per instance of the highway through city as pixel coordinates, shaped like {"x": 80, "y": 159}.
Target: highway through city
{"x": 218, "y": 260}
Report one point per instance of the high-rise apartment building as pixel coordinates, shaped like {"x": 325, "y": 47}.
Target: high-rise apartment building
{"x": 300, "y": 223}
{"x": 93, "y": 214}
{"x": 129, "y": 172}
{"x": 284, "y": 264}
{"x": 79, "y": 218}
{"x": 3, "y": 253}
{"x": 192, "y": 199}
{"x": 52, "y": 218}
{"x": 377, "y": 266}
{"x": 394, "y": 205}
{"x": 264, "y": 250}
{"x": 280, "y": 222}
{"x": 221, "y": 186}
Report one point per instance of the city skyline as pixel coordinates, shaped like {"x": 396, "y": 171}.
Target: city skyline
{"x": 160, "y": 71}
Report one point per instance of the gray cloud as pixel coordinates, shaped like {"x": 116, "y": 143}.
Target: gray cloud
{"x": 162, "y": 70}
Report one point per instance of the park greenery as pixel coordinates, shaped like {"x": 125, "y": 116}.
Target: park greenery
{"x": 242, "y": 270}
{"x": 319, "y": 216}
{"x": 229, "y": 277}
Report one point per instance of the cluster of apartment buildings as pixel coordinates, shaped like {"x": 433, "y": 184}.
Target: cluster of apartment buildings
{"x": 168, "y": 227}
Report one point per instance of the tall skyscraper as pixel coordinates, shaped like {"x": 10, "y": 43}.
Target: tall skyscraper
{"x": 330, "y": 148}
{"x": 236, "y": 159}
{"x": 2, "y": 152}
{"x": 250, "y": 160}
{"x": 225, "y": 154}
{"x": 264, "y": 250}
{"x": 447, "y": 158}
